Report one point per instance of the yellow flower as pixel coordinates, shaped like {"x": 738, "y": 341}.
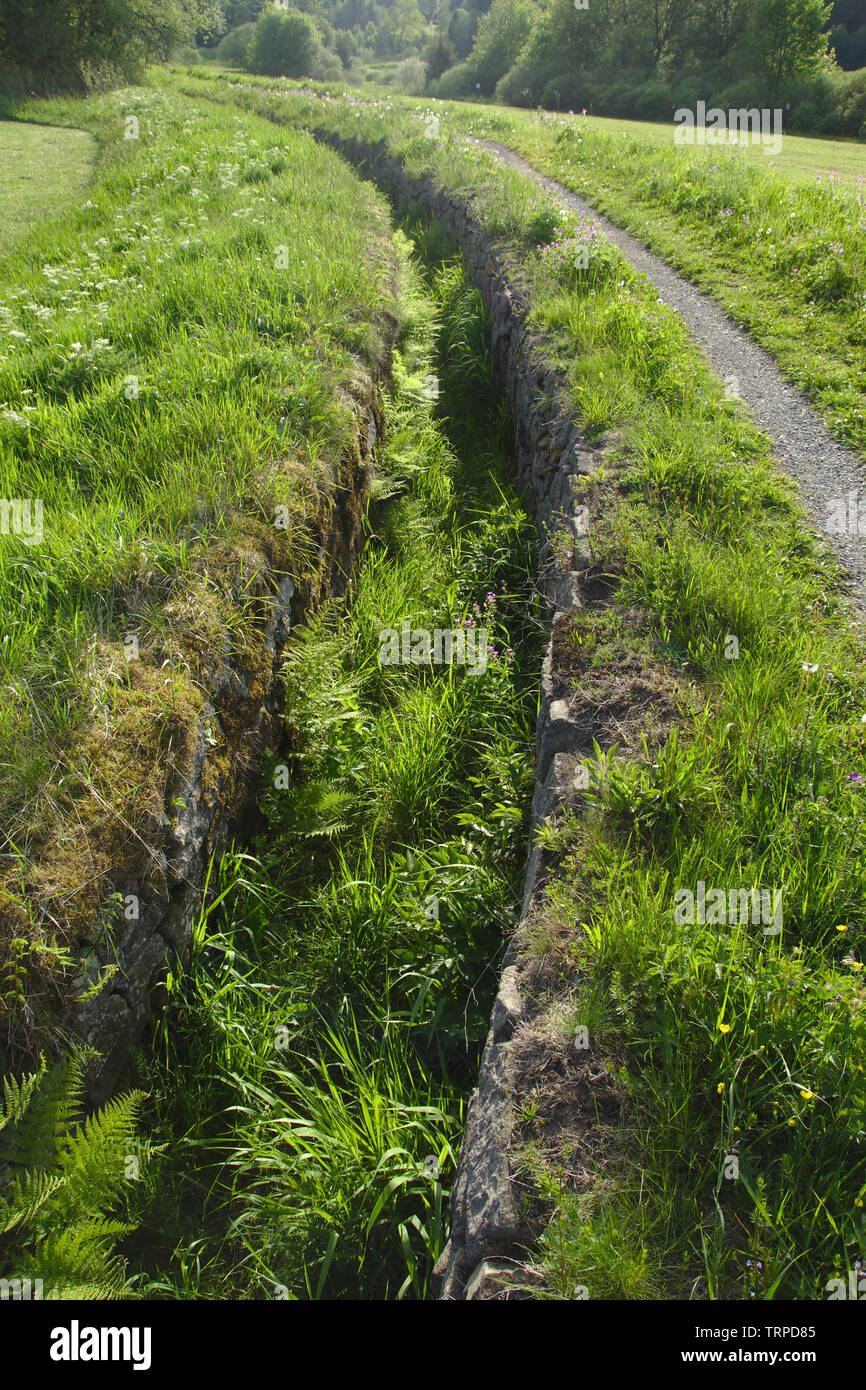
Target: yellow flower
{"x": 808, "y": 1095}
{"x": 843, "y": 926}
{"x": 720, "y": 1087}
{"x": 858, "y": 1201}
{"x": 724, "y": 1027}
{"x": 792, "y": 1122}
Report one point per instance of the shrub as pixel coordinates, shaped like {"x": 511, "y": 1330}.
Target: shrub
{"x": 457, "y": 82}
{"x": 654, "y": 101}
{"x": 232, "y": 49}
{"x": 65, "y": 41}
{"x": 186, "y": 55}
{"x": 410, "y": 76}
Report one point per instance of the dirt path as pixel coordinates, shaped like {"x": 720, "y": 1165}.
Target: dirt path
{"x": 824, "y": 470}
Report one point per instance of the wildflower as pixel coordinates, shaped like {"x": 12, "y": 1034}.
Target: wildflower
{"x": 720, "y": 1087}
{"x": 724, "y": 1027}
{"x": 808, "y": 1095}
{"x": 810, "y": 667}
{"x": 843, "y": 926}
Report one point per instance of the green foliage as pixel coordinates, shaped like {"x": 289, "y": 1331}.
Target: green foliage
{"x": 318, "y": 1055}
{"x": 76, "y": 40}
{"x": 232, "y": 48}
{"x": 101, "y": 365}
{"x": 60, "y": 1180}
{"x": 642, "y": 60}
{"x": 284, "y": 44}
{"x": 502, "y": 32}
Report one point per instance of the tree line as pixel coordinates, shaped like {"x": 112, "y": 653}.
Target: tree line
{"x": 647, "y": 58}
{"x": 631, "y": 58}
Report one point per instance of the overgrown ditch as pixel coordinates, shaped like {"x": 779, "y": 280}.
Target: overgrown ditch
{"x": 308, "y": 1076}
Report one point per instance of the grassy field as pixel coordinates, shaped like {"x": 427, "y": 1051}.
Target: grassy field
{"x": 339, "y": 990}
{"x": 726, "y": 1044}
{"x": 800, "y": 159}
{"x": 777, "y": 251}
{"x": 43, "y": 169}
{"x": 170, "y": 351}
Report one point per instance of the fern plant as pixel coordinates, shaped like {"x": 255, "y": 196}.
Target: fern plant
{"x": 60, "y": 1180}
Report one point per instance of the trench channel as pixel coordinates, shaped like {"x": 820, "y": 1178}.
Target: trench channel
{"x": 308, "y": 1076}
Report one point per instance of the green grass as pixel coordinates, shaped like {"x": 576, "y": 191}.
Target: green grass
{"x": 170, "y": 357}
{"x": 317, "y": 1057}
{"x": 776, "y": 245}
{"x": 779, "y": 246}
{"x": 309, "y": 1074}
{"x": 43, "y": 170}
{"x": 726, "y": 1043}
{"x": 800, "y": 159}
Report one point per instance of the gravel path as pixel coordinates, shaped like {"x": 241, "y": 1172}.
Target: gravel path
{"x": 823, "y": 469}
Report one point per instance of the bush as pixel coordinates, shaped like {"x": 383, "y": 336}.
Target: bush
{"x": 523, "y": 84}
{"x": 457, "y": 82}
{"x": 69, "y": 43}
{"x": 411, "y": 76}
{"x": 654, "y": 101}
{"x": 186, "y": 56}
{"x": 232, "y": 49}
{"x": 327, "y": 68}
{"x": 284, "y": 44}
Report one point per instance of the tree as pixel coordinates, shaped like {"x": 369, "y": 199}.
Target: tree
{"x": 461, "y": 31}
{"x": 69, "y": 36}
{"x": 440, "y": 56}
{"x": 239, "y": 12}
{"x": 284, "y": 44}
{"x": 206, "y": 19}
{"x": 402, "y": 28}
{"x": 502, "y": 33}
{"x": 787, "y": 37}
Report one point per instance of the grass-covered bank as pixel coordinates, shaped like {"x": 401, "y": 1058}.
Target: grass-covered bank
{"x": 778, "y": 241}
{"x": 735, "y": 1167}
{"x": 309, "y": 1074}
{"x": 178, "y": 354}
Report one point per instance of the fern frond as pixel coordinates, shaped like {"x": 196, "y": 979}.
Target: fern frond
{"x": 52, "y": 1107}
{"x": 92, "y": 1159}
{"x": 24, "y": 1196}
{"x": 17, "y": 1095}
{"x": 65, "y": 1176}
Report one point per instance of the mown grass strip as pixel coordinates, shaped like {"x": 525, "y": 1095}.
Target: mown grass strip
{"x": 43, "y": 169}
